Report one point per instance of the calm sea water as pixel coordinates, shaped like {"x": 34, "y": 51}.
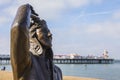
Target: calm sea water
{"x": 101, "y": 71}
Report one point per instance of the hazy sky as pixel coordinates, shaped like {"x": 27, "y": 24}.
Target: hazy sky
{"x": 85, "y": 27}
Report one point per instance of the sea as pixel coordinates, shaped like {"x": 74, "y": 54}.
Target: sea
{"x": 100, "y": 71}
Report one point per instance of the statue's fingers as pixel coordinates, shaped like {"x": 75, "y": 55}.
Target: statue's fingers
{"x": 33, "y": 11}
{"x": 34, "y": 16}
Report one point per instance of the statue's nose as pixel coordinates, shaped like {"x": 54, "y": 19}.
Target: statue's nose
{"x": 49, "y": 34}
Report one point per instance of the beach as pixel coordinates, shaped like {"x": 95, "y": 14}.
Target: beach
{"x": 7, "y": 75}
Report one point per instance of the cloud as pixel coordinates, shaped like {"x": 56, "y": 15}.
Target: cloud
{"x": 11, "y": 10}
{"x": 4, "y": 48}
{"x": 116, "y": 14}
{"x": 77, "y": 3}
{"x": 94, "y": 28}
{"x": 84, "y": 31}
{"x": 95, "y": 14}
{"x": 45, "y": 8}
{"x": 90, "y": 38}
{"x": 81, "y": 3}
{"x": 3, "y": 2}
{"x": 3, "y": 20}
{"x": 111, "y": 29}
{"x": 70, "y": 37}
{"x": 52, "y": 10}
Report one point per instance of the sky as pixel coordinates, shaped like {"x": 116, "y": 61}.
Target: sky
{"x": 85, "y": 27}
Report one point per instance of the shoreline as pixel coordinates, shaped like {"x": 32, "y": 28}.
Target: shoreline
{"x": 7, "y": 75}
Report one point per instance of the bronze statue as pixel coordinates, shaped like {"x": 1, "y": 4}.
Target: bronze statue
{"x": 31, "y": 52}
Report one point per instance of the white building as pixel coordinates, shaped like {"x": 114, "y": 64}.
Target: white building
{"x": 105, "y": 54}
{"x": 74, "y": 56}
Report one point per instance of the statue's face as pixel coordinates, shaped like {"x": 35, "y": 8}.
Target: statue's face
{"x": 44, "y": 36}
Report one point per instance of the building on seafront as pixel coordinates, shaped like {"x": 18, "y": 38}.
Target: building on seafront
{"x": 78, "y": 56}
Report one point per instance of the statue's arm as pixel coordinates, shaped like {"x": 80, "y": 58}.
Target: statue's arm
{"x": 20, "y": 57}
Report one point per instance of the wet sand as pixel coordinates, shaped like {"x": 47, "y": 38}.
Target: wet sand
{"x": 6, "y": 75}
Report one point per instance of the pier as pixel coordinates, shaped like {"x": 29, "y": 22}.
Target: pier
{"x": 5, "y": 59}
{"x": 83, "y": 61}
